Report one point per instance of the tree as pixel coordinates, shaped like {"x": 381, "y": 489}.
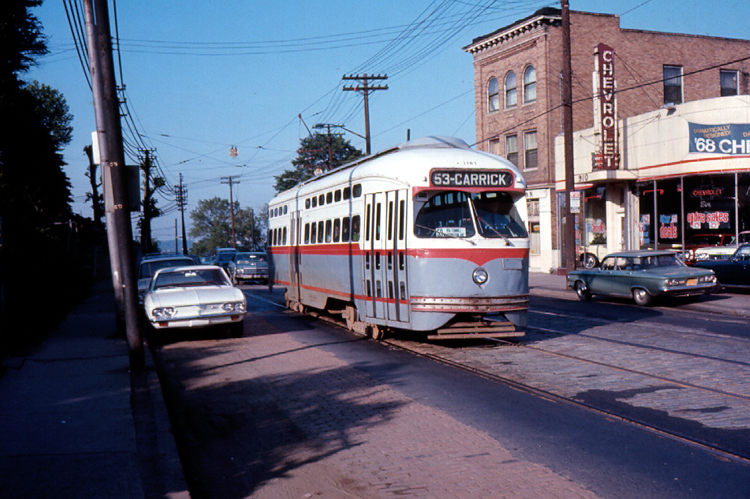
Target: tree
{"x": 21, "y": 39}
{"x": 211, "y": 223}
{"x": 312, "y": 154}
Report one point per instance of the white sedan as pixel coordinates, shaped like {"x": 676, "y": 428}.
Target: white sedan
{"x": 194, "y": 297}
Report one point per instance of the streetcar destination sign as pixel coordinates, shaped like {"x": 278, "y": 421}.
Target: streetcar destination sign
{"x": 471, "y": 178}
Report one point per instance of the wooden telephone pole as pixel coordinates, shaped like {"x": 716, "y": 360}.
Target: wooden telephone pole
{"x": 228, "y": 180}
{"x": 569, "y": 239}
{"x": 365, "y": 88}
{"x": 109, "y": 133}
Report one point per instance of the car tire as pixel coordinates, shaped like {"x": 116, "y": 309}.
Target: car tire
{"x": 582, "y": 292}
{"x": 642, "y": 297}
{"x": 589, "y": 261}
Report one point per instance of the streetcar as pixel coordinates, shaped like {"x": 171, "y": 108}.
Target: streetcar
{"x": 427, "y": 237}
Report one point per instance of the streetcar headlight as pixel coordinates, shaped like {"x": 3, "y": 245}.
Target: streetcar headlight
{"x": 480, "y": 275}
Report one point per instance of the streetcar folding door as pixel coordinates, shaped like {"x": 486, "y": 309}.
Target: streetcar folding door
{"x": 293, "y": 291}
{"x": 384, "y": 264}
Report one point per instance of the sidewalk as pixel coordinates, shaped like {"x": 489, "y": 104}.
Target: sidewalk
{"x": 76, "y": 423}
{"x": 731, "y": 302}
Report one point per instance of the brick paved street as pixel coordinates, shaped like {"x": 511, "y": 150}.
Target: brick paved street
{"x": 375, "y": 440}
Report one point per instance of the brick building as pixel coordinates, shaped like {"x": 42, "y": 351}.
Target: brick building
{"x": 518, "y": 89}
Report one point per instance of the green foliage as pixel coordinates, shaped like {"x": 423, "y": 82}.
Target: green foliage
{"x": 212, "y": 224}
{"x": 313, "y": 153}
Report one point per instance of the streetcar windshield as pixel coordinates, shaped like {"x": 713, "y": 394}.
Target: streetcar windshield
{"x": 453, "y": 214}
{"x": 447, "y": 214}
{"x": 497, "y": 215}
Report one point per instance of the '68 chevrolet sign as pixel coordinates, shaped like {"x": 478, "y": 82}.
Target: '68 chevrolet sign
{"x": 471, "y": 178}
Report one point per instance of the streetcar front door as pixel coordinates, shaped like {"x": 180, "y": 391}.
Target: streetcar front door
{"x": 394, "y": 268}
{"x": 293, "y": 292}
{"x": 372, "y": 265}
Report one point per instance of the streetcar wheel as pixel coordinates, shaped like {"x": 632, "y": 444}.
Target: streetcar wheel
{"x": 377, "y": 332}
{"x": 642, "y": 297}
{"x": 582, "y": 291}
{"x": 589, "y": 261}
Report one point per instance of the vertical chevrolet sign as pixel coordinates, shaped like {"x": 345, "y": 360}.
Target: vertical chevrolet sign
{"x": 608, "y": 156}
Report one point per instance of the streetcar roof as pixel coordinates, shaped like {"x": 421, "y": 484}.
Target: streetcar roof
{"x": 424, "y": 153}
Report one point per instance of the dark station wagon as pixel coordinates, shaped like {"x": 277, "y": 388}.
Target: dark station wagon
{"x": 642, "y": 275}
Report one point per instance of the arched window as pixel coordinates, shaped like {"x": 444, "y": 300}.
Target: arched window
{"x": 529, "y": 84}
{"x": 493, "y": 95}
{"x": 511, "y": 92}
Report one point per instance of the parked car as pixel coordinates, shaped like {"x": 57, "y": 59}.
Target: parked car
{"x": 194, "y": 297}
{"x": 642, "y": 275}
{"x": 724, "y": 252}
{"x": 697, "y": 241}
{"x": 149, "y": 266}
{"x": 223, "y": 257}
{"x": 248, "y": 266}
{"x": 593, "y": 253}
{"x": 733, "y": 272}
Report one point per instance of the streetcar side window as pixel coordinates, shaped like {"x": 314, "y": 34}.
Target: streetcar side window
{"x": 329, "y": 198}
{"x": 313, "y": 232}
{"x": 357, "y": 190}
{"x": 447, "y": 214}
{"x": 314, "y": 202}
{"x": 336, "y": 230}
{"x": 337, "y": 195}
{"x": 355, "y": 228}
{"x": 307, "y": 233}
{"x": 347, "y": 193}
{"x": 345, "y": 230}
{"x": 328, "y": 231}
{"x": 321, "y": 228}
{"x": 307, "y": 203}
{"x": 321, "y": 200}
{"x": 390, "y": 220}
{"x": 283, "y": 239}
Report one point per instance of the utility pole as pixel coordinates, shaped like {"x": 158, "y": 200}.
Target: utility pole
{"x": 181, "y": 202}
{"x": 567, "y": 105}
{"x": 366, "y": 89}
{"x": 147, "y": 194}
{"x": 109, "y": 131}
{"x": 231, "y": 204}
{"x": 330, "y": 141}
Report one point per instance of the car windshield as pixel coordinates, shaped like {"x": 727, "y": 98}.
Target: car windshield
{"x": 742, "y": 253}
{"x": 148, "y": 269}
{"x": 452, "y": 214}
{"x": 189, "y": 277}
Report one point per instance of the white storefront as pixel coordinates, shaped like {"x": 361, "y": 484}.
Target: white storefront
{"x": 682, "y": 170}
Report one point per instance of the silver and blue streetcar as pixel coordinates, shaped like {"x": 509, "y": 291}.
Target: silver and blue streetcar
{"x": 428, "y": 236}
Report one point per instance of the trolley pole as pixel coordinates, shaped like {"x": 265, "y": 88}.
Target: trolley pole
{"x": 109, "y": 131}
{"x": 567, "y": 105}
{"x": 365, "y": 88}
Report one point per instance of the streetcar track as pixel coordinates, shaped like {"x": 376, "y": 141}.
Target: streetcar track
{"x": 715, "y": 449}
{"x": 684, "y": 384}
{"x": 638, "y": 345}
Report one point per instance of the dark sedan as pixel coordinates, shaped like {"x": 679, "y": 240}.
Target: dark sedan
{"x": 642, "y": 275}
{"x": 734, "y": 272}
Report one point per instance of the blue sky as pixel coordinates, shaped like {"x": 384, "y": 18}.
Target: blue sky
{"x": 203, "y": 76}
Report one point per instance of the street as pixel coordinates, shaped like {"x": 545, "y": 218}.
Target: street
{"x": 600, "y": 399}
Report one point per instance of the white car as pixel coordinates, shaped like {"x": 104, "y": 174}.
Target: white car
{"x": 150, "y": 265}
{"x": 194, "y": 297}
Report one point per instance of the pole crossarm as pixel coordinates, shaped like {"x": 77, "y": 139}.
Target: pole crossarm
{"x": 365, "y": 88}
